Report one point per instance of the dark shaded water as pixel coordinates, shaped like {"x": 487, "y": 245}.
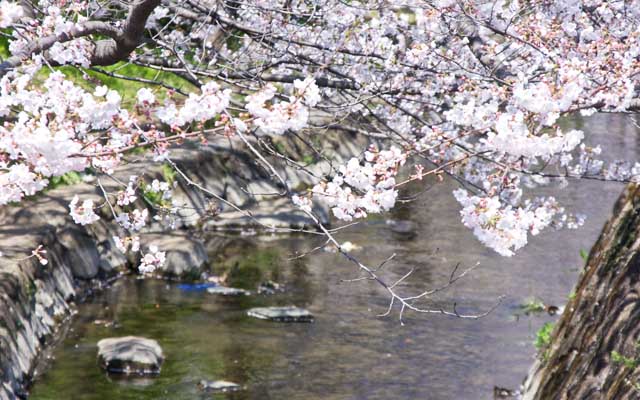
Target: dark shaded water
{"x": 349, "y": 353}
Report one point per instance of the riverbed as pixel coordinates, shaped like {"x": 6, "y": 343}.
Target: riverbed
{"x": 349, "y": 352}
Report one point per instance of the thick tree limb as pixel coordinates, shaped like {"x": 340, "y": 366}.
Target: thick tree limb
{"x": 121, "y": 42}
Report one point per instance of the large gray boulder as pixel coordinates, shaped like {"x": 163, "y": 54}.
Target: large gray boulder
{"x": 130, "y": 355}
{"x": 186, "y": 256}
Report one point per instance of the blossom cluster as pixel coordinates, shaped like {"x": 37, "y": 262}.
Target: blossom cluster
{"x": 153, "y": 259}
{"x": 500, "y": 227}
{"x": 478, "y": 89}
{"x": 196, "y": 108}
{"x": 276, "y": 117}
{"x": 83, "y": 214}
{"x": 362, "y": 187}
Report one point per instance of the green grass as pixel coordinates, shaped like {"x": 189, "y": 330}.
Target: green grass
{"x": 88, "y": 79}
{"x": 127, "y": 88}
{"x": 70, "y": 178}
{"x": 533, "y": 306}
{"x": 543, "y": 336}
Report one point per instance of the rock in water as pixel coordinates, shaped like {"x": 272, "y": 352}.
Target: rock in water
{"x": 227, "y": 291}
{"x": 130, "y": 355}
{"x": 219, "y": 386}
{"x": 281, "y": 314}
{"x": 270, "y": 287}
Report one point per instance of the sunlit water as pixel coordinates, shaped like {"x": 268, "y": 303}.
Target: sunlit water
{"x": 349, "y": 352}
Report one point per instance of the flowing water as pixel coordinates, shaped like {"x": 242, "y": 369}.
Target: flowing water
{"x": 349, "y": 352}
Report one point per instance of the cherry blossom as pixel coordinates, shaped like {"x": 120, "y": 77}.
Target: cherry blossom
{"x": 151, "y": 260}
{"x": 82, "y": 214}
{"x": 478, "y": 91}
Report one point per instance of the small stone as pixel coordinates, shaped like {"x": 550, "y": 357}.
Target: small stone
{"x": 105, "y": 322}
{"x": 228, "y": 291}
{"x": 130, "y": 355}
{"x": 281, "y": 314}
{"x": 269, "y": 288}
{"x": 219, "y": 386}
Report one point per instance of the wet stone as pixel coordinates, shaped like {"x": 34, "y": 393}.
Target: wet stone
{"x": 130, "y": 355}
{"x": 281, "y": 314}
{"x": 218, "y": 386}
{"x": 270, "y": 287}
{"x": 227, "y": 291}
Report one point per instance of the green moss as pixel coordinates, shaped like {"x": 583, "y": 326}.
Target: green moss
{"x": 543, "y": 340}
{"x": 628, "y": 362}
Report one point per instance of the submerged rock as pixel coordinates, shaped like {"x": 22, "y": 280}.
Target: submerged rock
{"x": 219, "y": 386}
{"x": 404, "y": 227}
{"x": 130, "y": 355}
{"x": 228, "y": 291}
{"x": 281, "y": 314}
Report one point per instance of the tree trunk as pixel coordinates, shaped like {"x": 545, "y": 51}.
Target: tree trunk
{"x": 594, "y": 351}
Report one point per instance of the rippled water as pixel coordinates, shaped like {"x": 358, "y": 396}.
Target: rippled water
{"x": 349, "y": 352}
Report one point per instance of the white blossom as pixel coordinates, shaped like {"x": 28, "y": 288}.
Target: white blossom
{"x": 82, "y": 214}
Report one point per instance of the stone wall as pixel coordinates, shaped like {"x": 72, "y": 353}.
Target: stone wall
{"x": 36, "y": 300}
